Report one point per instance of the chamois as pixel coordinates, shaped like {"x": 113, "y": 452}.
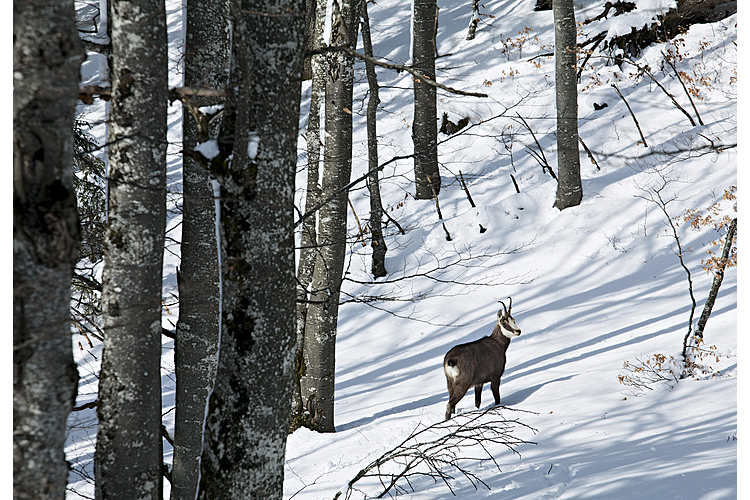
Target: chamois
{"x": 476, "y": 363}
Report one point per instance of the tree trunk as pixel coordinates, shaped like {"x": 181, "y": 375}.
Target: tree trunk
{"x": 718, "y": 278}
{"x": 322, "y": 312}
{"x": 569, "y": 189}
{"x": 248, "y": 413}
{"x": 474, "y": 20}
{"x": 379, "y": 248}
{"x": 128, "y": 459}
{"x": 308, "y": 239}
{"x": 424, "y": 127}
{"x": 46, "y": 59}
{"x": 197, "y": 336}
{"x": 311, "y": 7}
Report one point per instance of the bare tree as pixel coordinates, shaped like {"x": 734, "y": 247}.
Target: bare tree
{"x": 46, "y": 59}
{"x": 322, "y": 312}
{"x": 569, "y": 189}
{"x": 424, "y": 126}
{"x": 379, "y": 247}
{"x": 308, "y": 234}
{"x": 197, "y": 332}
{"x": 128, "y": 459}
{"x": 472, "y": 33}
{"x": 248, "y": 413}
{"x": 721, "y": 266}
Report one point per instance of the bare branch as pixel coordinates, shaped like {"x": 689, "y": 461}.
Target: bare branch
{"x": 442, "y": 450}
{"x": 397, "y": 67}
{"x": 614, "y": 86}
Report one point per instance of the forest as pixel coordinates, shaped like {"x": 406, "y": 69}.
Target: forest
{"x": 246, "y": 234}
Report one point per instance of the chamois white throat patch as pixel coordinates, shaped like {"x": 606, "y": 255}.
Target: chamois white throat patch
{"x": 515, "y": 332}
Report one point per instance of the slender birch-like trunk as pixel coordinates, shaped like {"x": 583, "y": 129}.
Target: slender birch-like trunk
{"x": 197, "y": 335}
{"x": 249, "y": 411}
{"x": 46, "y": 59}
{"x": 322, "y": 313}
{"x": 569, "y": 189}
{"x": 308, "y": 236}
{"x": 379, "y": 248}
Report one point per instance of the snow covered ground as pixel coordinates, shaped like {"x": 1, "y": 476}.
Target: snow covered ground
{"x": 592, "y": 286}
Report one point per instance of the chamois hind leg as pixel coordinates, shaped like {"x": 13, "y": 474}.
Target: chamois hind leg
{"x": 451, "y": 407}
{"x": 478, "y": 395}
{"x": 455, "y": 393}
{"x": 495, "y": 386}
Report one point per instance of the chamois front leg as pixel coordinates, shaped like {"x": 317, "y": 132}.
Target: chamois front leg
{"x": 495, "y": 386}
{"x": 478, "y": 395}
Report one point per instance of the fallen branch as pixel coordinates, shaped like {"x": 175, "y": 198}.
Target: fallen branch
{"x": 440, "y": 450}
{"x": 466, "y": 189}
{"x": 643, "y": 139}
{"x": 437, "y": 206}
{"x": 588, "y": 152}
{"x": 677, "y": 74}
{"x": 539, "y": 157}
{"x": 361, "y": 233}
{"x": 646, "y": 72}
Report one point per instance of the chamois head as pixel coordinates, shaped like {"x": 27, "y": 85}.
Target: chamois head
{"x": 506, "y": 322}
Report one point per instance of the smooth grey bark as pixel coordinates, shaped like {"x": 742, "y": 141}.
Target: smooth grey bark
{"x": 46, "y": 59}
{"x": 424, "y": 127}
{"x": 197, "y": 333}
{"x": 569, "y": 189}
{"x": 317, "y": 385}
{"x": 248, "y": 411}
{"x": 128, "y": 458}
{"x": 308, "y": 236}
{"x": 377, "y": 241}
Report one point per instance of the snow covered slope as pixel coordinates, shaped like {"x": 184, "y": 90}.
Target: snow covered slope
{"x": 592, "y": 286}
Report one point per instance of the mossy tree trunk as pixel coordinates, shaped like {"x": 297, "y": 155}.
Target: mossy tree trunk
{"x": 128, "y": 459}
{"x": 197, "y": 335}
{"x": 249, "y": 409}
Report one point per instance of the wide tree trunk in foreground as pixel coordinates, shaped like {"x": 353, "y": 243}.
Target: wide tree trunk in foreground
{"x": 128, "y": 459}
{"x": 569, "y": 189}
{"x": 46, "y": 59}
{"x": 248, "y": 412}
{"x": 322, "y": 312}
{"x": 424, "y": 128}
{"x": 197, "y": 339}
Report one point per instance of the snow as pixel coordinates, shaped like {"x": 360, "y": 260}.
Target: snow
{"x": 593, "y": 286}
{"x": 209, "y": 149}
{"x": 644, "y": 14}
{"x": 253, "y": 141}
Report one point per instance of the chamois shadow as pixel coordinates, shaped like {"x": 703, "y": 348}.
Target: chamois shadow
{"x": 411, "y": 405}
{"x": 520, "y": 396}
